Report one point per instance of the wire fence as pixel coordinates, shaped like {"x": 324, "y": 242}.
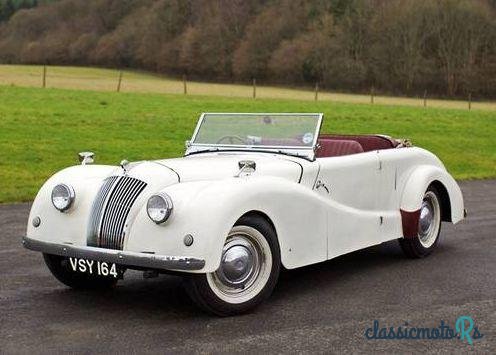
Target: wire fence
{"x": 124, "y": 81}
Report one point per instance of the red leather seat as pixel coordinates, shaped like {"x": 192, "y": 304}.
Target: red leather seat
{"x": 336, "y": 147}
{"x": 368, "y": 142}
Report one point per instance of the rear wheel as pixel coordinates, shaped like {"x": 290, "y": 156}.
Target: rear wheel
{"x": 429, "y": 227}
{"x": 247, "y": 274}
{"x": 59, "y": 267}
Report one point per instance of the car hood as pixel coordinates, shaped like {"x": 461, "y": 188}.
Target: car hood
{"x": 215, "y": 166}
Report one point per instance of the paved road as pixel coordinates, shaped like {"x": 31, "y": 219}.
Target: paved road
{"x": 323, "y": 308}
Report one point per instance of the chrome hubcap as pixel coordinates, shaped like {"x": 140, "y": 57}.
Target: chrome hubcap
{"x": 238, "y": 264}
{"x": 426, "y": 218}
{"x": 430, "y": 218}
{"x": 245, "y": 266}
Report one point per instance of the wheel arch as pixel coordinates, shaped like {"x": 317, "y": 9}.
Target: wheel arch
{"x": 260, "y": 214}
{"x": 265, "y": 217}
{"x": 444, "y": 200}
{"x": 451, "y": 199}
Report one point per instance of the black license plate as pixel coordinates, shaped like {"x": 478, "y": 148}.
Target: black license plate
{"x": 94, "y": 267}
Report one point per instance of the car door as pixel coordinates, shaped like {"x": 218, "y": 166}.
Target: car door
{"x": 351, "y": 185}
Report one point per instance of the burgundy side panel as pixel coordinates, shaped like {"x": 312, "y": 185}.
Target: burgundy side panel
{"x": 410, "y": 221}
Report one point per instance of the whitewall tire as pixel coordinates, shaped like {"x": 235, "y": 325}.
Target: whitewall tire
{"x": 429, "y": 227}
{"x": 248, "y": 271}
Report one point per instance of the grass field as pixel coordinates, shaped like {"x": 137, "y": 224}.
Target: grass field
{"x": 107, "y": 80}
{"x": 41, "y": 130}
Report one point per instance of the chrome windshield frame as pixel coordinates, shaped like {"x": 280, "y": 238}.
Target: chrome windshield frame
{"x": 306, "y": 152}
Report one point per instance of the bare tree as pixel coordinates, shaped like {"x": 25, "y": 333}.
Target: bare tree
{"x": 402, "y": 46}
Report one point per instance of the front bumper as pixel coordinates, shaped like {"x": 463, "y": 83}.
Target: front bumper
{"x": 126, "y": 258}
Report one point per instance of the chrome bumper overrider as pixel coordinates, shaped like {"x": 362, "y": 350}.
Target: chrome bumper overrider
{"x": 127, "y": 258}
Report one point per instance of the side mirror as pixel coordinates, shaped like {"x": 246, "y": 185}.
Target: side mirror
{"x": 86, "y": 158}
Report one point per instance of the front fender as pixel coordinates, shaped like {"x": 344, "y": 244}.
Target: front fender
{"x": 69, "y": 226}
{"x": 418, "y": 182}
{"x": 208, "y": 210}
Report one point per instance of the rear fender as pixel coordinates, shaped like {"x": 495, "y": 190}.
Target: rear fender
{"x": 416, "y": 185}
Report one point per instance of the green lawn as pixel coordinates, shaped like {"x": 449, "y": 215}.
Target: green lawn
{"x": 99, "y": 79}
{"x": 41, "y": 130}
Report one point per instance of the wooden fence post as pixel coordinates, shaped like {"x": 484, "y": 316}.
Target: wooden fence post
{"x": 372, "y": 94}
{"x": 316, "y": 91}
{"x": 469, "y": 101}
{"x": 425, "y": 98}
{"x": 120, "y": 81}
{"x": 254, "y": 88}
{"x": 44, "y": 77}
{"x": 185, "y": 87}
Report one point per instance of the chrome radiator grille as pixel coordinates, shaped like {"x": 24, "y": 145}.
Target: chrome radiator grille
{"x": 110, "y": 210}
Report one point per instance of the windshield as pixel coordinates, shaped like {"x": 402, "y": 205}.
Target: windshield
{"x": 297, "y": 131}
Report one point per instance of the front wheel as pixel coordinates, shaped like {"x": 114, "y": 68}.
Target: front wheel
{"x": 59, "y": 266}
{"x": 247, "y": 274}
{"x": 429, "y": 227}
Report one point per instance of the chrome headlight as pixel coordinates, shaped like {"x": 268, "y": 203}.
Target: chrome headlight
{"x": 159, "y": 207}
{"x": 63, "y": 197}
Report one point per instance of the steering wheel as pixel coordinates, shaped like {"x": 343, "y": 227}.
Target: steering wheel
{"x": 231, "y": 139}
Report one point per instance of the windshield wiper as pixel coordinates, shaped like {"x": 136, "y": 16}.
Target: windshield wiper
{"x": 296, "y": 155}
{"x": 207, "y": 150}
{"x": 211, "y": 150}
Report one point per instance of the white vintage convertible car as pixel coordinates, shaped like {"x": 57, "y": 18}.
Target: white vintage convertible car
{"x": 252, "y": 194}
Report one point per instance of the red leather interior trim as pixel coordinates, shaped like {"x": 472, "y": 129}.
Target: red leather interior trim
{"x": 367, "y": 141}
{"x": 336, "y": 147}
{"x": 410, "y": 221}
